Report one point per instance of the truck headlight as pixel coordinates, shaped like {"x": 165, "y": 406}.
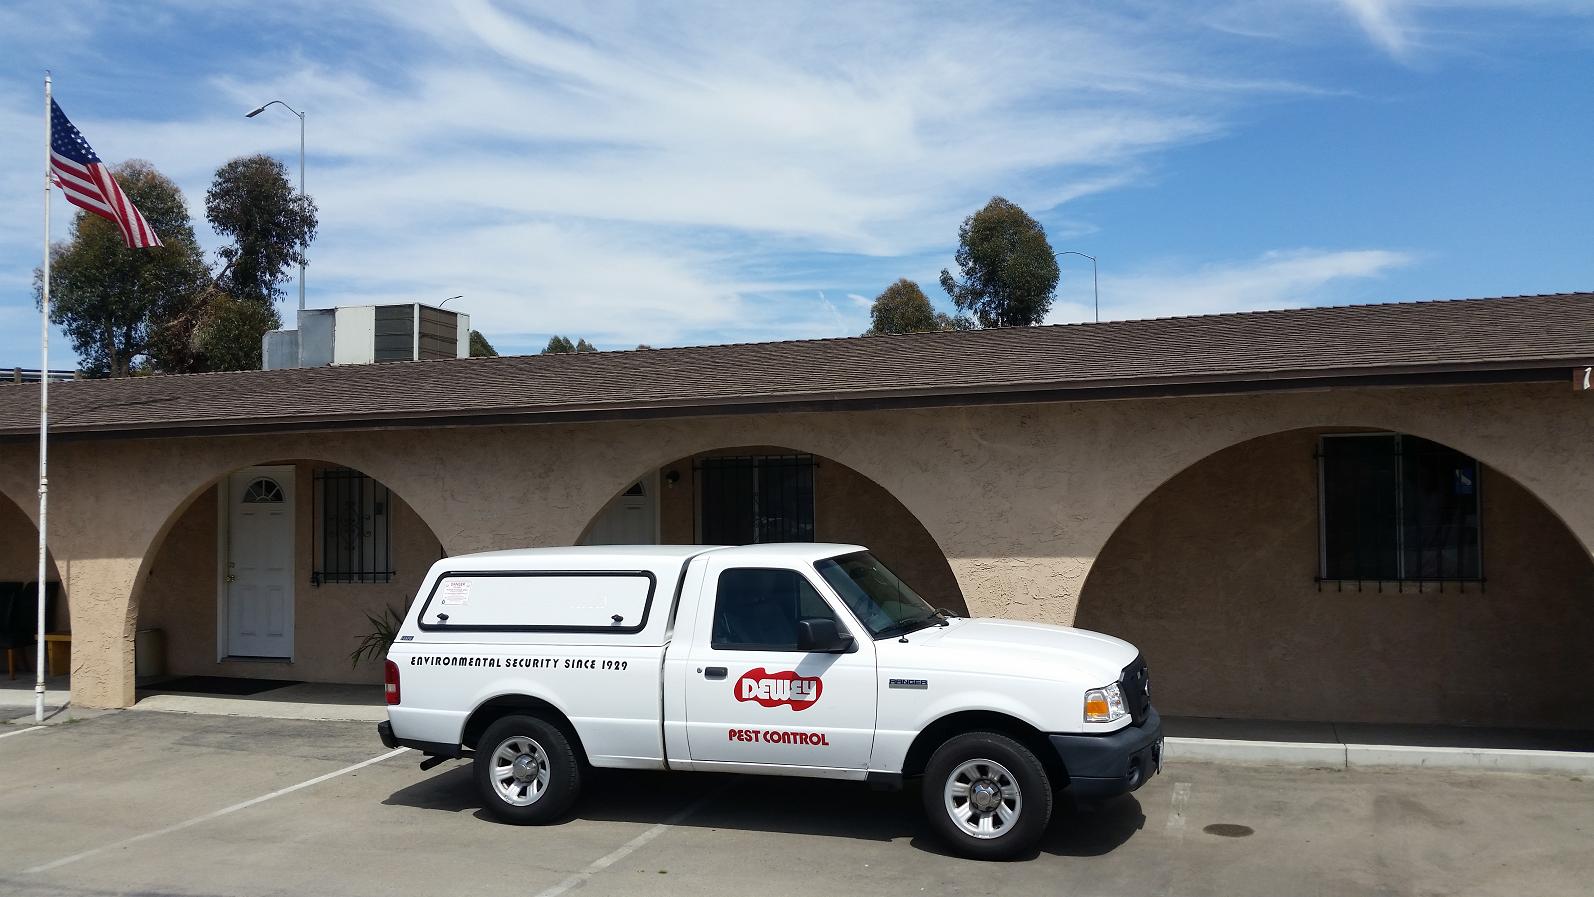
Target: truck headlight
{"x": 1105, "y": 704}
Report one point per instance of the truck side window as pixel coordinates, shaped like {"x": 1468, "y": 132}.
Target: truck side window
{"x": 757, "y": 609}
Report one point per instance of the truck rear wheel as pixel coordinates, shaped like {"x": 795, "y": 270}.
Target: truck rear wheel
{"x": 526, "y": 770}
{"x": 987, "y": 795}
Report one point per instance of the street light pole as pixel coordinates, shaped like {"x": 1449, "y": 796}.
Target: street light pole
{"x": 1095, "y": 289}
{"x": 301, "y": 173}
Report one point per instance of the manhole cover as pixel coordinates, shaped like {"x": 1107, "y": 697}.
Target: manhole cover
{"x": 1229, "y": 830}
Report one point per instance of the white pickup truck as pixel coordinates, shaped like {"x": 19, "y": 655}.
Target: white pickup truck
{"x": 791, "y": 659}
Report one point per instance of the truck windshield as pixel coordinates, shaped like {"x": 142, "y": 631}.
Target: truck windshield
{"x": 883, "y": 603}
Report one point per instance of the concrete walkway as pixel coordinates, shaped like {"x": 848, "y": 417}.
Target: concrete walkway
{"x": 311, "y": 701}
{"x": 16, "y": 697}
{"x": 307, "y": 700}
{"x": 1352, "y": 745}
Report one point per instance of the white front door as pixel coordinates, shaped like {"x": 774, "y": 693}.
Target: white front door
{"x": 259, "y": 572}
{"x": 628, "y": 520}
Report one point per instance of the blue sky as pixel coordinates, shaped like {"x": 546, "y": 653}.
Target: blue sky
{"x": 687, "y": 173}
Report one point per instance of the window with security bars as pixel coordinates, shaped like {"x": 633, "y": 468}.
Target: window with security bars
{"x": 753, "y": 499}
{"x": 1398, "y": 508}
{"x": 353, "y": 522}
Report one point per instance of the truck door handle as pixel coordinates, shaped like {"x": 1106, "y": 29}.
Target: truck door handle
{"x": 714, "y": 673}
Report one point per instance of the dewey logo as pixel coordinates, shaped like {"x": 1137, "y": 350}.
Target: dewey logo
{"x": 774, "y": 689}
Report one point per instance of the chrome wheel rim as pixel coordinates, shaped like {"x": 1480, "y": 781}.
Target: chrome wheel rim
{"x": 983, "y": 799}
{"x": 519, "y": 771}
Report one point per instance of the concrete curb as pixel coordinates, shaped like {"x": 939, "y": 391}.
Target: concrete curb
{"x": 1320, "y": 755}
{"x": 1466, "y": 758}
{"x": 1312, "y": 755}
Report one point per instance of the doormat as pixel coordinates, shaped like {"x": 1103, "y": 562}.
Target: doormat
{"x": 216, "y": 685}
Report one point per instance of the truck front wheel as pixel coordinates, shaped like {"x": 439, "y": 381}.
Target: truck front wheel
{"x": 526, "y": 770}
{"x": 987, "y": 795}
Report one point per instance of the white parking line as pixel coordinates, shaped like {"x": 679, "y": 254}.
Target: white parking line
{"x": 22, "y": 731}
{"x": 631, "y": 846}
{"x": 56, "y": 864}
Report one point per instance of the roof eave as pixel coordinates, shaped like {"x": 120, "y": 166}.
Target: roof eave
{"x": 1211, "y": 384}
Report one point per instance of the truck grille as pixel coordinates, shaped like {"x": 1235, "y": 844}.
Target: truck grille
{"x": 1136, "y": 685}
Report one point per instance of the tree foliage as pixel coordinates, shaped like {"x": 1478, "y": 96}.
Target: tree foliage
{"x": 1009, "y": 271}
{"x": 903, "y": 308}
{"x": 252, "y": 203}
{"x": 227, "y": 336}
{"x": 480, "y": 347}
{"x": 561, "y": 345}
{"x": 114, "y": 302}
{"x": 163, "y": 309}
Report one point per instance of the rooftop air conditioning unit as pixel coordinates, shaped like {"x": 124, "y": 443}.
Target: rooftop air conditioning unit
{"x": 364, "y": 334}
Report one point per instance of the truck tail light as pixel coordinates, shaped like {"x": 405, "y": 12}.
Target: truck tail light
{"x": 391, "y": 687}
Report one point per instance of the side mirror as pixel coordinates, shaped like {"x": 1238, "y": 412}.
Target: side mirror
{"x": 822, "y": 635}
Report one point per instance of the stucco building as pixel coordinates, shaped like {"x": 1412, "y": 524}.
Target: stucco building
{"x": 1370, "y": 513}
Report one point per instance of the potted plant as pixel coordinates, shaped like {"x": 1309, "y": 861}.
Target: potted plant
{"x": 384, "y": 629}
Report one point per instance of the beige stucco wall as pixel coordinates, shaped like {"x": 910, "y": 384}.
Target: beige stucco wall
{"x": 1020, "y": 498}
{"x": 1213, "y": 578}
{"x": 180, "y": 594}
{"x": 848, "y": 507}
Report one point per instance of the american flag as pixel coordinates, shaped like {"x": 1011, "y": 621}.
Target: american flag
{"x": 88, "y": 184}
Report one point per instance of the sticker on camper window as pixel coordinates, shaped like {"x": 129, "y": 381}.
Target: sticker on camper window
{"x": 571, "y": 601}
{"x": 454, "y": 593}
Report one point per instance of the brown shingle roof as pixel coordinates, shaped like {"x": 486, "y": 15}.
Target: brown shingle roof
{"x": 1204, "y": 353}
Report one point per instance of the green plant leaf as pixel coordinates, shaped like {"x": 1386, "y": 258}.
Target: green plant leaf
{"x": 374, "y": 645}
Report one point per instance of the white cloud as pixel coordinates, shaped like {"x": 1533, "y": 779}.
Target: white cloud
{"x": 1409, "y": 31}
{"x": 1285, "y": 279}
{"x": 1414, "y": 33}
{"x": 1385, "y": 24}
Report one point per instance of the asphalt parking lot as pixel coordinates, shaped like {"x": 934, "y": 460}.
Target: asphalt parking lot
{"x": 178, "y": 804}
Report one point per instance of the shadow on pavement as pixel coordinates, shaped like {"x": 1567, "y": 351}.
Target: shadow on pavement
{"x": 817, "y": 807}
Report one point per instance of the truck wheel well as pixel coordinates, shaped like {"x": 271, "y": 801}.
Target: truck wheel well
{"x": 937, "y": 733}
{"x": 497, "y": 708}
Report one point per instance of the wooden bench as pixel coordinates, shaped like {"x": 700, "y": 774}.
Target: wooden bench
{"x": 58, "y": 653}
{"x": 19, "y": 619}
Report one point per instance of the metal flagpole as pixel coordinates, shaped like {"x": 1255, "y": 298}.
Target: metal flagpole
{"x": 301, "y": 193}
{"x": 44, "y": 416}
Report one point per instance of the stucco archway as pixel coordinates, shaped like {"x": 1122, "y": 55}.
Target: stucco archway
{"x": 1214, "y": 576}
{"x": 19, "y": 572}
{"x": 1510, "y": 439}
{"x": 356, "y": 549}
{"x": 19, "y": 540}
{"x": 847, "y": 507}
{"x": 113, "y": 505}
{"x": 605, "y": 459}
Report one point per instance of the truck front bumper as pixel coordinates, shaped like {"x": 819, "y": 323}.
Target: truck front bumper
{"x": 1113, "y": 763}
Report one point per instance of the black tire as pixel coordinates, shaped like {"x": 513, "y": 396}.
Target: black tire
{"x": 551, "y": 772}
{"x": 1005, "y": 763}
